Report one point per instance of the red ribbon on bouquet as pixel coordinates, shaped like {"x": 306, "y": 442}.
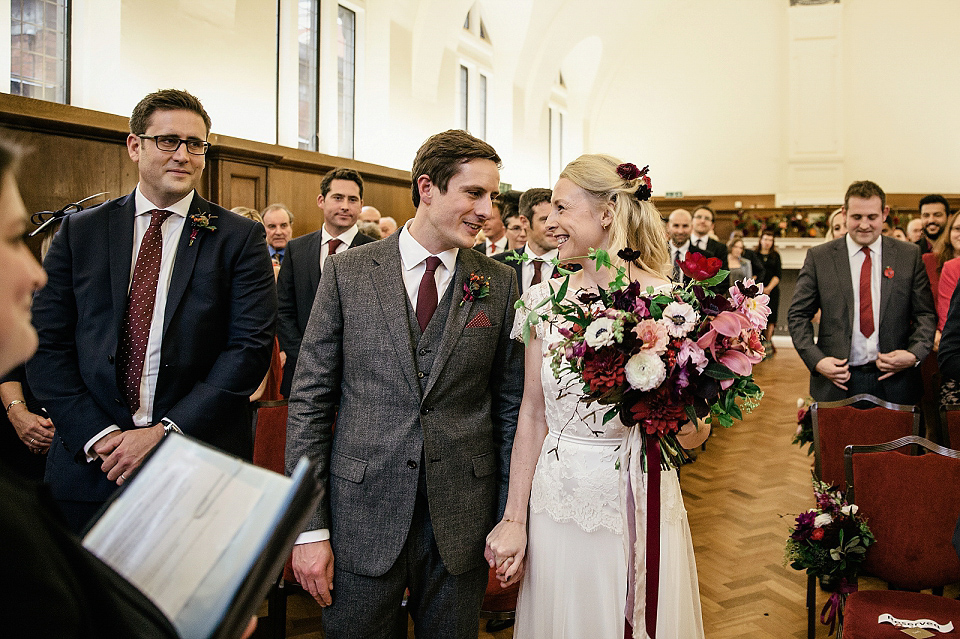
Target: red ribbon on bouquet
{"x": 835, "y": 603}
{"x": 653, "y": 534}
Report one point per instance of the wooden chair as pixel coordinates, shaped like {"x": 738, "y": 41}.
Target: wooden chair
{"x": 269, "y": 444}
{"x": 911, "y": 504}
{"x": 950, "y": 425}
{"x": 861, "y": 420}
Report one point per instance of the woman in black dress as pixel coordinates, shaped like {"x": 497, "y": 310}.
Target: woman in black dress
{"x": 772, "y": 271}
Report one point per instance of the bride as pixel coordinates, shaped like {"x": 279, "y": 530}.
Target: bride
{"x": 565, "y": 460}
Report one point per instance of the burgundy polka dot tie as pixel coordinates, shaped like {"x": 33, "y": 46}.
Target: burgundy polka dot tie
{"x": 135, "y": 329}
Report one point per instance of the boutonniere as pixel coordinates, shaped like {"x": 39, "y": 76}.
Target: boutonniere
{"x": 888, "y": 272}
{"x": 200, "y": 221}
{"x": 477, "y": 287}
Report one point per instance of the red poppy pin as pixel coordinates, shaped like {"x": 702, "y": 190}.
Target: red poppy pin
{"x": 888, "y": 272}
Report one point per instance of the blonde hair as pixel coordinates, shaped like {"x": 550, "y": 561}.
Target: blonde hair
{"x": 247, "y": 212}
{"x": 636, "y": 225}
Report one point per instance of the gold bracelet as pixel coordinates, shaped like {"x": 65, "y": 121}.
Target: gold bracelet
{"x": 514, "y": 521}
{"x": 14, "y": 403}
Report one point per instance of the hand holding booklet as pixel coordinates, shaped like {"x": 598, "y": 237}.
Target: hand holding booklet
{"x": 203, "y": 534}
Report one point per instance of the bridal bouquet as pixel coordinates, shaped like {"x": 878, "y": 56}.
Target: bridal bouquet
{"x": 830, "y": 540}
{"x": 659, "y": 357}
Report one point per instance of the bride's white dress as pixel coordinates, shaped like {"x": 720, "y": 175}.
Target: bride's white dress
{"x": 575, "y": 584}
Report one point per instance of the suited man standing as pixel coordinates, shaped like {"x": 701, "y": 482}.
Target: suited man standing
{"x": 541, "y": 246}
{"x": 158, "y": 316}
{"x": 703, "y": 221}
{"x": 679, "y": 225}
{"x": 409, "y": 348}
{"x": 877, "y": 320}
{"x": 495, "y": 233}
{"x": 340, "y": 199}
{"x": 278, "y": 221}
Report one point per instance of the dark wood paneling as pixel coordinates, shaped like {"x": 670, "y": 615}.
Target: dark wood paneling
{"x": 298, "y": 192}
{"x": 240, "y": 184}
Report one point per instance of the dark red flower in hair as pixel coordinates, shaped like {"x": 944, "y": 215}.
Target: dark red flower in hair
{"x": 628, "y": 171}
{"x": 698, "y": 266}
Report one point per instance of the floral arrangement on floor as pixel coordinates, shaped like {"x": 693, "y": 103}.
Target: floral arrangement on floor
{"x": 830, "y": 540}
{"x": 804, "y": 434}
{"x": 658, "y": 358}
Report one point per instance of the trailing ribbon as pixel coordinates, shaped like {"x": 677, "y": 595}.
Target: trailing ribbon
{"x": 653, "y": 534}
{"x": 835, "y": 604}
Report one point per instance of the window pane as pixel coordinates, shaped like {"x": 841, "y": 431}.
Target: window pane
{"x": 482, "y": 109}
{"x": 346, "y": 78}
{"x": 464, "y": 97}
{"x": 308, "y": 27}
{"x": 38, "y": 49}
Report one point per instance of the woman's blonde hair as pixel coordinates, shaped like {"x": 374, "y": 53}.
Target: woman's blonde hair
{"x": 636, "y": 224}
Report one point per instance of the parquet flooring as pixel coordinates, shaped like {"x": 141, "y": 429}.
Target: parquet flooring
{"x": 741, "y": 495}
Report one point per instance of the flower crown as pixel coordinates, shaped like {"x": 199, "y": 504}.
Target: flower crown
{"x": 629, "y": 171}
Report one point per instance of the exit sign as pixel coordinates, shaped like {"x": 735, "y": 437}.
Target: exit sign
{"x": 674, "y": 194}
{"x": 505, "y": 186}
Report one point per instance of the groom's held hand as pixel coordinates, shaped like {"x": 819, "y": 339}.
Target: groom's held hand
{"x": 313, "y": 567}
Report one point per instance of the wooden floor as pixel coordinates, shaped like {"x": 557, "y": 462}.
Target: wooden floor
{"x": 741, "y": 495}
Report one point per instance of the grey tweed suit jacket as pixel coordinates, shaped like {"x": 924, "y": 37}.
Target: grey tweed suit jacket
{"x": 907, "y": 319}
{"x": 358, "y": 366}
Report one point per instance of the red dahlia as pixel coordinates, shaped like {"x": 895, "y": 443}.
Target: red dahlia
{"x": 603, "y": 370}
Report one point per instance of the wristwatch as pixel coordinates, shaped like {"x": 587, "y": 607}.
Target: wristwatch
{"x": 170, "y": 427}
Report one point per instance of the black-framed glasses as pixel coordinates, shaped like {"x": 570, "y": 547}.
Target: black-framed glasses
{"x": 170, "y": 144}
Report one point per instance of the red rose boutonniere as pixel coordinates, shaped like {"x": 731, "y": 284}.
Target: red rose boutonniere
{"x": 888, "y": 273}
{"x": 477, "y": 287}
{"x": 200, "y": 221}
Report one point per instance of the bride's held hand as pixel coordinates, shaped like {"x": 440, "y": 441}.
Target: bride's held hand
{"x": 506, "y": 547}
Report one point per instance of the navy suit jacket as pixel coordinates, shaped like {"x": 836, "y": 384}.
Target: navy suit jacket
{"x": 218, "y": 328}
{"x": 296, "y": 288}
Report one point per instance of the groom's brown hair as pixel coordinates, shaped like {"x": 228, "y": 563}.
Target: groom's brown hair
{"x": 442, "y": 154}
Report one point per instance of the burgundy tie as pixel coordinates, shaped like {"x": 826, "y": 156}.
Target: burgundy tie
{"x": 492, "y": 249}
{"x": 135, "y": 329}
{"x": 537, "y": 275}
{"x": 332, "y": 246}
{"x": 427, "y": 295}
{"x": 866, "y": 299}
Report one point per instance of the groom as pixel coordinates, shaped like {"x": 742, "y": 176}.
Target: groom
{"x": 408, "y": 348}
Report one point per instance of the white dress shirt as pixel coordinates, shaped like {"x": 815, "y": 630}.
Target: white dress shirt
{"x": 864, "y": 350}
{"x": 544, "y": 264}
{"x": 346, "y": 237}
{"x": 501, "y": 246}
{"x": 683, "y": 251}
{"x": 700, "y": 241}
{"x": 413, "y": 264}
{"x": 171, "y": 229}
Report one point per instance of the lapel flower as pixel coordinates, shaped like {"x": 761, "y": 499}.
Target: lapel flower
{"x": 888, "y": 272}
{"x": 475, "y": 288}
{"x": 200, "y": 221}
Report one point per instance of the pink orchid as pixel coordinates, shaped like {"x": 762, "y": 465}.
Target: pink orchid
{"x": 732, "y": 334}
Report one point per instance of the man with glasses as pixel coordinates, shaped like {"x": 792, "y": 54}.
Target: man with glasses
{"x": 516, "y": 229}
{"x": 158, "y": 316}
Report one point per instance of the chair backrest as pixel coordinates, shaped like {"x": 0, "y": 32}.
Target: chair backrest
{"x": 911, "y": 504}
{"x": 861, "y": 420}
{"x": 270, "y": 440}
{"x": 950, "y": 421}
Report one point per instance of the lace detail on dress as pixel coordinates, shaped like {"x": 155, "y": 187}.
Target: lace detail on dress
{"x": 671, "y": 500}
{"x": 531, "y": 297}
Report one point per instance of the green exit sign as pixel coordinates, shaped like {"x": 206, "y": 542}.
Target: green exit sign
{"x": 505, "y": 186}
{"x": 674, "y": 194}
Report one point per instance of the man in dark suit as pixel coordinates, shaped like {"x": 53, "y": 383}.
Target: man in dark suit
{"x": 340, "y": 199}
{"x": 495, "y": 233}
{"x": 541, "y": 245}
{"x": 409, "y": 348}
{"x": 703, "y": 221}
{"x": 158, "y": 316}
{"x": 877, "y": 321}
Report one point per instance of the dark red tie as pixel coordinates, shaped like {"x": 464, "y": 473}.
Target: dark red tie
{"x": 135, "y": 329}
{"x": 427, "y": 295}
{"x": 537, "y": 275}
{"x": 866, "y": 298}
{"x": 332, "y": 246}
{"x": 493, "y": 248}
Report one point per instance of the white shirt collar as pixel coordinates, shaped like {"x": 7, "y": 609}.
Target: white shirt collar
{"x": 683, "y": 248}
{"x": 853, "y": 248}
{"x": 546, "y": 257}
{"x": 346, "y": 237}
{"x": 412, "y": 253}
{"x": 144, "y": 206}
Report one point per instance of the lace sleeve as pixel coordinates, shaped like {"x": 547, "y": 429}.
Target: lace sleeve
{"x": 530, "y": 299}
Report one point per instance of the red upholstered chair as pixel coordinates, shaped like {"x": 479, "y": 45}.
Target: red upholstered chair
{"x": 499, "y": 604}
{"x": 950, "y": 424}
{"x": 860, "y": 420}
{"x": 911, "y": 504}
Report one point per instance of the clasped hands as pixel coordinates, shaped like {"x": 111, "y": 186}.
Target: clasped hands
{"x": 122, "y": 451}
{"x": 838, "y": 371}
{"x": 505, "y": 550}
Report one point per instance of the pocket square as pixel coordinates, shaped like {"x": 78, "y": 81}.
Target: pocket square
{"x": 480, "y": 320}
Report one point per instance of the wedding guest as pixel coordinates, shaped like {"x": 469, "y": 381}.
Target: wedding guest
{"x": 772, "y": 272}
{"x": 702, "y": 235}
{"x": 541, "y": 246}
{"x": 172, "y": 326}
{"x": 739, "y": 267}
{"x": 934, "y": 210}
{"x": 756, "y": 265}
{"x": 495, "y": 234}
{"x": 836, "y": 224}
{"x": 946, "y": 248}
{"x": 900, "y": 234}
{"x": 516, "y": 231}
{"x": 278, "y": 221}
{"x": 914, "y": 230}
{"x": 369, "y": 214}
{"x": 388, "y": 226}
{"x": 370, "y": 229}
{"x": 250, "y": 214}
{"x": 564, "y": 522}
